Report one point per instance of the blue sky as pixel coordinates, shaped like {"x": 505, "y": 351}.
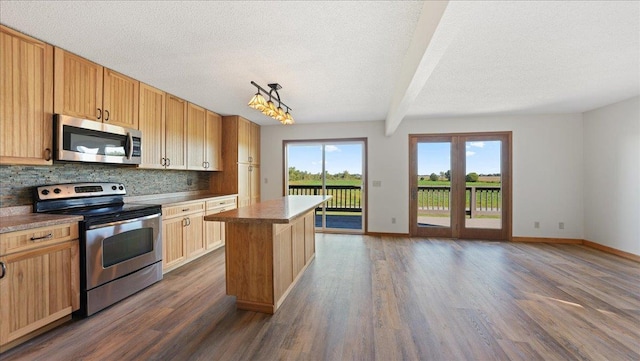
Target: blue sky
{"x": 339, "y": 157}
{"x": 482, "y": 157}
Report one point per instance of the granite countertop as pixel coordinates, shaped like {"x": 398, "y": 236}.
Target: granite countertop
{"x": 164, "y": 200}
{"x": 281, "y": 210}
{"x": 21, "y": 217}
{"x": 20, "y": 222}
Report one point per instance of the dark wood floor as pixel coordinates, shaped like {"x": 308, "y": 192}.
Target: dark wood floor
{"x": 373, "y": 298}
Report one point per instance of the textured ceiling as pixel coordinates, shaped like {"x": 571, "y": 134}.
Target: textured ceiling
{"x": 340, "y": 61}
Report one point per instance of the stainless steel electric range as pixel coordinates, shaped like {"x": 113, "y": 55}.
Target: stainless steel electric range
{"x": 120, "y": 243}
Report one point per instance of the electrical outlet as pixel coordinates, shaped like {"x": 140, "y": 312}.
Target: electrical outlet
{"x": 393, "y": 220}
{"x": 377, "y": 183}
{"x": 536, "y": 224}
{"x": 561, "y": 225}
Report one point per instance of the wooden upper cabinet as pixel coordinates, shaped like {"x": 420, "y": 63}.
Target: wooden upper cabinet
{"x": 244, "y": 140}
{"x": 175, "y": 133}
{"x": 26, "y": 99}
{"x": 120, "y": 99}
{"x": 151, "y": 123}
{"x": 254, "y": 143}
{"x": 78, "y": 86}
{"x": 204, "y": 139}
{"x": 213, "y": 139}
{"x": 196, "y": 118}
{"x": 87, "y": 90}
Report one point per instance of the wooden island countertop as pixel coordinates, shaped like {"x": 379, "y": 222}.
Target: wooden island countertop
{"x": 267, "y": 248}
{"x": 280, "y": 210}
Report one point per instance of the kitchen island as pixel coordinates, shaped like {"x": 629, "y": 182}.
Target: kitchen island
{"x": 268, "y": 247}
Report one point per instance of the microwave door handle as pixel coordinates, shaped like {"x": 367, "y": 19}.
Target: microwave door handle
{"x": 130, "y": 142}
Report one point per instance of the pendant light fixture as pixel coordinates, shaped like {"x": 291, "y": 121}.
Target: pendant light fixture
{"x": 269, "y": 107}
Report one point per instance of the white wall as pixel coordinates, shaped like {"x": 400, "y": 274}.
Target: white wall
{"x": 547, "y": 167}
{"x": 612, "y": 175}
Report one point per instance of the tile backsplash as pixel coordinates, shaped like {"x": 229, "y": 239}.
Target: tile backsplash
{"x": 17, "y": 182}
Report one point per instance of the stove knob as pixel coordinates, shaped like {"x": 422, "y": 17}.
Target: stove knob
{"x": 45, "y": 192}
{"x": 113, "y": 187}
{"x": 121, "y": 187}
{"x": 57, "y": 191}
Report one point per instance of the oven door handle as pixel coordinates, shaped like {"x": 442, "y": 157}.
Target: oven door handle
{"x": 117, "y": 223}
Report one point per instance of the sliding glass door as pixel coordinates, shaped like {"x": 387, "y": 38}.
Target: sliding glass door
{"x": 461, "y": 185}
{"x": 332, "y": 167}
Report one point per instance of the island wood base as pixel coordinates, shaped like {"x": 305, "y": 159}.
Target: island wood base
{"x": 265, "y": 260}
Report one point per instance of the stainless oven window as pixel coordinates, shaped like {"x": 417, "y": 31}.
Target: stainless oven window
{"x": 124, "y": 246}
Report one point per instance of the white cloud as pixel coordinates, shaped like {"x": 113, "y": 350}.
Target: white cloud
{"x": 470, "y": 153}
{"x": 331, "y": 148}
{"x": 475, "y": 144}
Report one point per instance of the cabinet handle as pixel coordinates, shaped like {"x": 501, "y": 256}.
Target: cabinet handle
{"x": 168, "y": 162}
{"x": 185, "y": 209}
{"x": 50, "y": 235}
{"x": 106, "y": 115}
{"x": 250, "y": 159}
{"x": 4, "y": 269}
{"x": 99, "y": 113}
{"x": 163, "y": 161}
{"x": 47, "y": 154}
{"x": 188, "y": 221}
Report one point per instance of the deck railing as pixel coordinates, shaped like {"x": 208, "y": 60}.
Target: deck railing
{"x": 480, "y": 200}
{"x": 345, "y": 198}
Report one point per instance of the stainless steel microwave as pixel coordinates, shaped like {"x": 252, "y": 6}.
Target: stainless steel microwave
{"x": 83, "y": 140}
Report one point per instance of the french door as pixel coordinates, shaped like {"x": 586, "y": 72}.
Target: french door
{"x": 333, "y": 167}
{"x": 460, "y": 185}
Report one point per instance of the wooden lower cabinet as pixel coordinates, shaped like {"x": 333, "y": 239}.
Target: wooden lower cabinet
{"x": 194, "y": 235}
{"x": 185, "y": 234}
{"x": 40, "y": 283}
{"x": 174, "y": 252}
{"x": 214, "y": 232}
{"x": 264, "y": 260}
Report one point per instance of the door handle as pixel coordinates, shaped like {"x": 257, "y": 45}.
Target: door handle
{"x": 50, "y": 235}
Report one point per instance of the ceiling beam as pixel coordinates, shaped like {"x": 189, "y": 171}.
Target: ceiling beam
{"x": 418, "y": 64}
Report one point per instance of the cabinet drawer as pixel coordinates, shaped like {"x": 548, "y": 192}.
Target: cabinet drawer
{"x": 227, "y": 203}
{"x": 37, "y": 237}
{"x": 182, "y": 209}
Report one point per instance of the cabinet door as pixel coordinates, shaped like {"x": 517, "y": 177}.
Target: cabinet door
{"x": 213, "y": 141}
{"x": 213, "y": 233}
{"x": 40, "y": 286}
{"x": 26, "y": 99}
{"x": 151, "y": 124}
{"x": 297, "y": 246}
{"x": 173, "y": 247}
{"x": 175, "y": 133}
{"x": 282, "y": 261}
{"x": 254, "y": 184}
{"x": 244, "y": 184}
{"x": 194, "y": 235}
{"x": 244, "y": 140}
{"x": 254, "y": 143}
{"x": 120, "y": 99}
{"x": 309, "y": 236}
{"x": 196, "y": 117}
{"x": 78, "y": 86}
